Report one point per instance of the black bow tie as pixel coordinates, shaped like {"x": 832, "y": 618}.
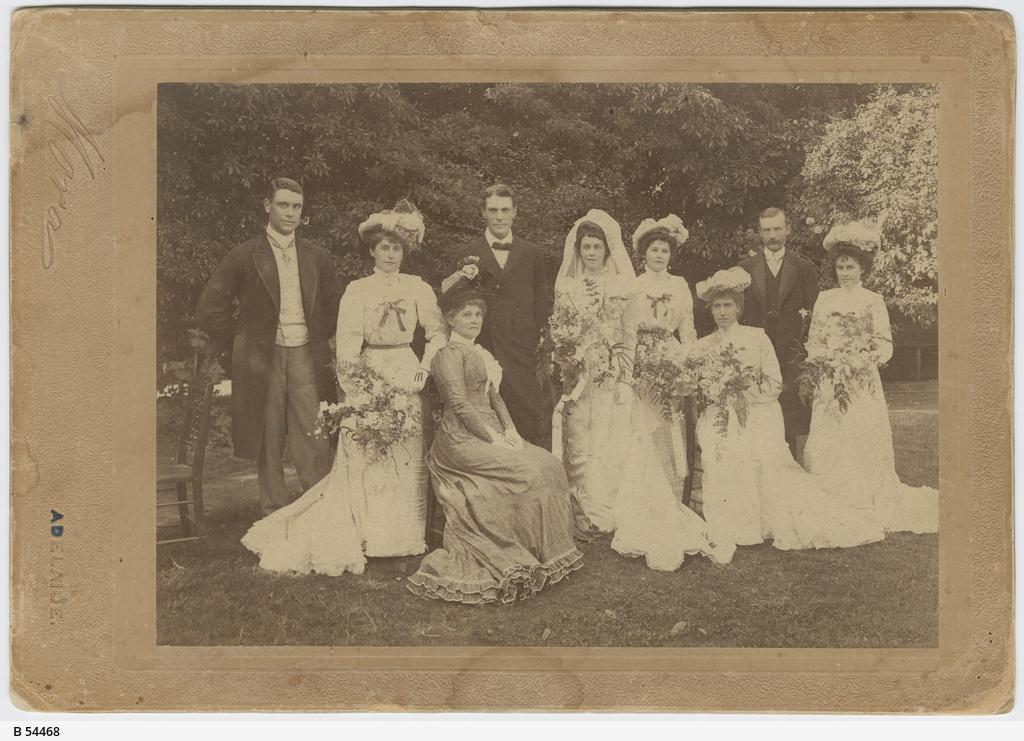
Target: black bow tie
{"x": 506, "y": 246}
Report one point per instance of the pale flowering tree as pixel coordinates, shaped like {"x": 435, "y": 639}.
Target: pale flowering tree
{"x": 882, "y": 163}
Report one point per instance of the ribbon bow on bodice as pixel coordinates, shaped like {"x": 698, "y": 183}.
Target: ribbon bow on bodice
{"x": 664, "y": 300}
{"x": 393, "y": 306}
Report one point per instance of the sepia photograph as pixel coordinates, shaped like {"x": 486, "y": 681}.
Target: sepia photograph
{"x": 512, "y": 360}
{"x": 547, "y": 364}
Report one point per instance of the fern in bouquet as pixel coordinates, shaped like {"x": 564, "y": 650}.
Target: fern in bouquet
{"x": 660, "y": 373}
{"x": 374, "y": 414}
{"x": 578, "y": 344}
{"x": 719, "y": 378}
{"x": 843, "y": 357}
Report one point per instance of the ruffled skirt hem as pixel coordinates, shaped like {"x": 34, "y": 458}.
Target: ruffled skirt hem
{"x": 277, "y": 558}
{"x": 673, "y": 560}
{"x": 517, "y": 582}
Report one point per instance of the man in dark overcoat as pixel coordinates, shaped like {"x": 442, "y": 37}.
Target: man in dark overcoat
{"x": 783, "y": 289}
{"x": 518, "y": 308}
{"x": 287, "y": 293}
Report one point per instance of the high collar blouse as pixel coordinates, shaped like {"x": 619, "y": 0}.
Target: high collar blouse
{"x": 384, "y": 309}
{"x": 663, "y": 300}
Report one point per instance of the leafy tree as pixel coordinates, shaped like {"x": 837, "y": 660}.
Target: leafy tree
{"x": 715, "y": 155}
{"x": 882, "y": 163}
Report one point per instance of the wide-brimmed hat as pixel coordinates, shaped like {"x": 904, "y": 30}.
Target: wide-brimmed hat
{"x": 671, "y": 225}
{"x": 734, "y": 280}
{"x": 404, "y": 219}
{"x": 863, "y": 234}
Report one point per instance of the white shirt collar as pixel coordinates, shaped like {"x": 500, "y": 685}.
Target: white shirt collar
{"x": 774, "y": 256}
{"x": 854, "y": 288}
{"x": 283, "y": 241}
{"x": 656, "y": 276}
{"x": 493, "y": 240}
{"x": 458, "y": 339}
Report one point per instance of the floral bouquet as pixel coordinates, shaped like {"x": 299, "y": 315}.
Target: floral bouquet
{"x": 374, "y": 414}
{"x": 844, "y": 356}
{"x": 659, "y": 371}
{"x": 578, "y": 344}
{"x": 719, "y": 379}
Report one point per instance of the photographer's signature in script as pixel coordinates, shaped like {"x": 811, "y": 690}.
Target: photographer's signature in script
{"x": 70, "y": 145}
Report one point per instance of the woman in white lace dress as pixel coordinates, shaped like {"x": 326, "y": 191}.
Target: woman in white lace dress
{"x": 595, "y": 280}
{"x": 650, "y": 519}
{"x": 753, "y": 490}
{"x": 366, "y": 506}
{"x": 852, "y": 448}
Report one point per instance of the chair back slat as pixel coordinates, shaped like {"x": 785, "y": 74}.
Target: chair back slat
{"x": 195, "y": 429}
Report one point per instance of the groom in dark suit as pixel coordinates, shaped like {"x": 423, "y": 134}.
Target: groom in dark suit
{"x": 287, "y": 292}
{"x": 783, "y": 289}
{"x": 518, "y": 308}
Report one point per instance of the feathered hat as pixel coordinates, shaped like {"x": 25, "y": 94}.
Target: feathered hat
{"x": 863, "y": 234}
{"x": 671, "y": 225}
{"x": 459, "y": 287}
{"x": 404, "y": 219}
{"x": 734, "y": 280}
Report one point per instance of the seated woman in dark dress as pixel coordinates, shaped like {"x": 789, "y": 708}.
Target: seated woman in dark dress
{"x": 508, "y": 529}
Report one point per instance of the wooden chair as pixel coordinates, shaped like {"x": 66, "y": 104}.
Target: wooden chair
{"x": 434, "y": 534}
{"x": 434, "y": 531}
{"x": 690, "y": 417}
{"x": 187, "y": 472}
{"x": 695, "y": 495}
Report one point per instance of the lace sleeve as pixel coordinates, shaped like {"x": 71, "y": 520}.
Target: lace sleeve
{"x": 687, "y": 330}
{"x": 881, "y": 328}
{"x": 449, "y": 371}
{"x": 771, "y": 374}
{"x": 433, "y": 323}
{"x": 349, "y": 332}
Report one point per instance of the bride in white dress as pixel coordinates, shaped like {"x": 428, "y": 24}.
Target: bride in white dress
{"x": 367, "y": 507}
{"x": 650, "y": 519}
{"x": 595, "y": 280}
{"x": 852, "y": 449}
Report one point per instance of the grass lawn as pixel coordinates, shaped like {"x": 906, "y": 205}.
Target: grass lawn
{"x": 882, "y": 595}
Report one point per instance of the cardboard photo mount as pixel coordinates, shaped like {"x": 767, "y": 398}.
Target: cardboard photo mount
{"x": 83, "y": 259}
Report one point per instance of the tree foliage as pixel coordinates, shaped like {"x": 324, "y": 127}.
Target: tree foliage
{"x": 882, "y": 163}
{"x": 713, "y": 154}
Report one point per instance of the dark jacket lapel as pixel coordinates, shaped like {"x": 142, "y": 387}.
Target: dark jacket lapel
{"x": 758, "y": 266}
{"x": 787, "y": 276}
{"x": 488, "y": 261}
{"x": 515, "y": 257}
{"x": 266, "y": 266}
{"x": 309, "y": 276}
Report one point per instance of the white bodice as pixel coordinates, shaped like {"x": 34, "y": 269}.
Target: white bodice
{"x": 384, "y": 309}
{"x": 663, "y": 300}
